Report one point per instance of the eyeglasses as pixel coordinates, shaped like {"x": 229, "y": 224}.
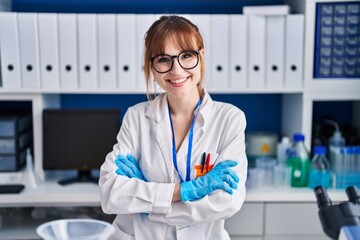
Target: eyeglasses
{"x": 163, "y": 63}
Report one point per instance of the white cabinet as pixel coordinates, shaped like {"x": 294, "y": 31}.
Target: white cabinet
{"x": 283, "y": 219}
{"x": 248, "y": 222}
{"x": 276, "y": 221}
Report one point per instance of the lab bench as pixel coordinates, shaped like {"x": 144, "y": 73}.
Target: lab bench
{"x": 266, "y": 214}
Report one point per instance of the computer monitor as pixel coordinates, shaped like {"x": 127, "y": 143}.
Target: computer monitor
{"x": 78, "y": 140}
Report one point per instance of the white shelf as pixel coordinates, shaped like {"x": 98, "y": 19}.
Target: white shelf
{"x": 140, "y": 91}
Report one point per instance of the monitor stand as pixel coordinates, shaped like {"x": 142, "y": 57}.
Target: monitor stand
{"x": 83, "y": 176}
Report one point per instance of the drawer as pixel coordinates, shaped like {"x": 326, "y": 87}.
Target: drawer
{"x": 247, "y": 238}
{"x": 248, "y": 221}
{"x": 292, "y": 219}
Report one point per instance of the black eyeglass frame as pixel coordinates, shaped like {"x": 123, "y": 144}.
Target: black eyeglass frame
{"x": 177, "y": 57}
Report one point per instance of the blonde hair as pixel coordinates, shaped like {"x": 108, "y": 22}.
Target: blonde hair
{"x": 182, "y": 32}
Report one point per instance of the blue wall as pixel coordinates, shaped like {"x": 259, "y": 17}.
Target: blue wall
{"x": 262, "y": 111}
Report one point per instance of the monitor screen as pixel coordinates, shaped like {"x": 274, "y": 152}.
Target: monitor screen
{"x": 78, "y": 139}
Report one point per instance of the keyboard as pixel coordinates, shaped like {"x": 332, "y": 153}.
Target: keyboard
{"x": 11, "y": 188}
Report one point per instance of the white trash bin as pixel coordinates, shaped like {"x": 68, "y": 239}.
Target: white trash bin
{"x": 75, "y": 229}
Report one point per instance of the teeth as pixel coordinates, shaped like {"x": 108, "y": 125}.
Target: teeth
{"x": 178, "y": 81}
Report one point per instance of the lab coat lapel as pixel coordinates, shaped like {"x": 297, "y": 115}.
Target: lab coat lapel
{"x": 160, "y": 126}
{"x": 202, "y": 123}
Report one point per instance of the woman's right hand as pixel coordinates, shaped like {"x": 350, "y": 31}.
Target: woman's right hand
{"x": 129, "y": 167}
{"x": 220, "y": 177}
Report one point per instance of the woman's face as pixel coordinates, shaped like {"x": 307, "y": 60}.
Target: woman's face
{"x": 178, "y": 82}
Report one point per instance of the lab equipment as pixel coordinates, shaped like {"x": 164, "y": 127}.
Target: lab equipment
{"x": 220, "y": 177}
{"x": 267, "y": 165}
{"x": 299, "y": 161}
{"x": 338, "y": 218}
{"x": 15, "y": 136}
{"x": 335, "y": 141}
{"x": 75, "y": 229}
{"x": 11, "y": 188}
{"x": 335, "y": 37}
{"x": 346, "y": 166}
{"x": 282, "y": 148}
{"x": 282, "y": 176}
{"x": 128, "y": 166}
{"x": 29, "y": 175}
{"x": 260, "y": 144}
{"x": 320, "y": 169}
{"x": 73, "y": 139}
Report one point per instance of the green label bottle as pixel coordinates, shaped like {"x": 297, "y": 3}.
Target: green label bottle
{"x": 299, "y": 161}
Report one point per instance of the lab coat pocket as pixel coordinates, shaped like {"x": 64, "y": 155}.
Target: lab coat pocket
{"x": 119, "y": 234}
{"x": 205, "y": 164}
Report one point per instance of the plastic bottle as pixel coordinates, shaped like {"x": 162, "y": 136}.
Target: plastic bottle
{"x": 335, "y": 141}
{"x": 320, "y": 174}
{"x": 282, "y": 148}
{"x": 299, "y": 161}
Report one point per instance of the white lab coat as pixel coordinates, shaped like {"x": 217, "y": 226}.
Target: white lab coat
{"x": 144, "y": 209}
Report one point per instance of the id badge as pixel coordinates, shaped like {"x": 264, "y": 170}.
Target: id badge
{"x": 195, "y": 232}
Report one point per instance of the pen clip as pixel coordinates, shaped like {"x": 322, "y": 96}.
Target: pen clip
{"x": 203, "y": 162}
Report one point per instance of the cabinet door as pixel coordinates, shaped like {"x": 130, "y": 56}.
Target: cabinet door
{"x": 292, "y": 219}
{"x": 300, "y": 237}
{"x": 248, "y": 221}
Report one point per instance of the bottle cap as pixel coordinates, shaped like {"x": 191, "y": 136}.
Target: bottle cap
{"x": 320, "y": 150}
{"x": 298, "y": 137}
{"x": 350, "y": 150}
{"x": 285, "y": 140}
{"x": 358, "y": 149}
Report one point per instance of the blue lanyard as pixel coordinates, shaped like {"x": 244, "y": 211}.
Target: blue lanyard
{"x": 189, "y": 146}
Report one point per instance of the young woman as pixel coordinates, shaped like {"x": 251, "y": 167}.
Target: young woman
{"x": 179, "y": 166}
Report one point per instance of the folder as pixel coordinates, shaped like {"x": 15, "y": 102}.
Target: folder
{"x": 275, "y": 54}
{"x": 220, "y": 51}
{"x": 256, "y": 46}
{"x": 68, "y": 51}
{"x": 238, "y": 51}
{"x": 9, "y": 50}
{"x": 87, "y": 39}
{"x": 203, "y": 22}
{"x": 29, "y": 50}
{"x": 143, "y": 22}
{"x": 126, "y": 49}
{"x": 294, "y": 38}
{"x": 107, "y": 51}
{"x": 49, "y": 50}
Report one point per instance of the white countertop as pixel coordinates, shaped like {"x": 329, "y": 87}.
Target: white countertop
{"x": 50, "y": 193}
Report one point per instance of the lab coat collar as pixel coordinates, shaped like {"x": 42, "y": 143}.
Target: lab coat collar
{"x": 158, "y": 108}
{"x": 205, "y": 109}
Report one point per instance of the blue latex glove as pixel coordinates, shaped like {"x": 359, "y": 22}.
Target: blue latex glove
{"x": 128, "y": 166}
{"x": 220, "y": 177}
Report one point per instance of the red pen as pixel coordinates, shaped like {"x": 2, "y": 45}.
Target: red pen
{"x": 208, "y": 162}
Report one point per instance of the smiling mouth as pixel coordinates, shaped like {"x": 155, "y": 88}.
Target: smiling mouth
{"x": 178, "y": 81}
